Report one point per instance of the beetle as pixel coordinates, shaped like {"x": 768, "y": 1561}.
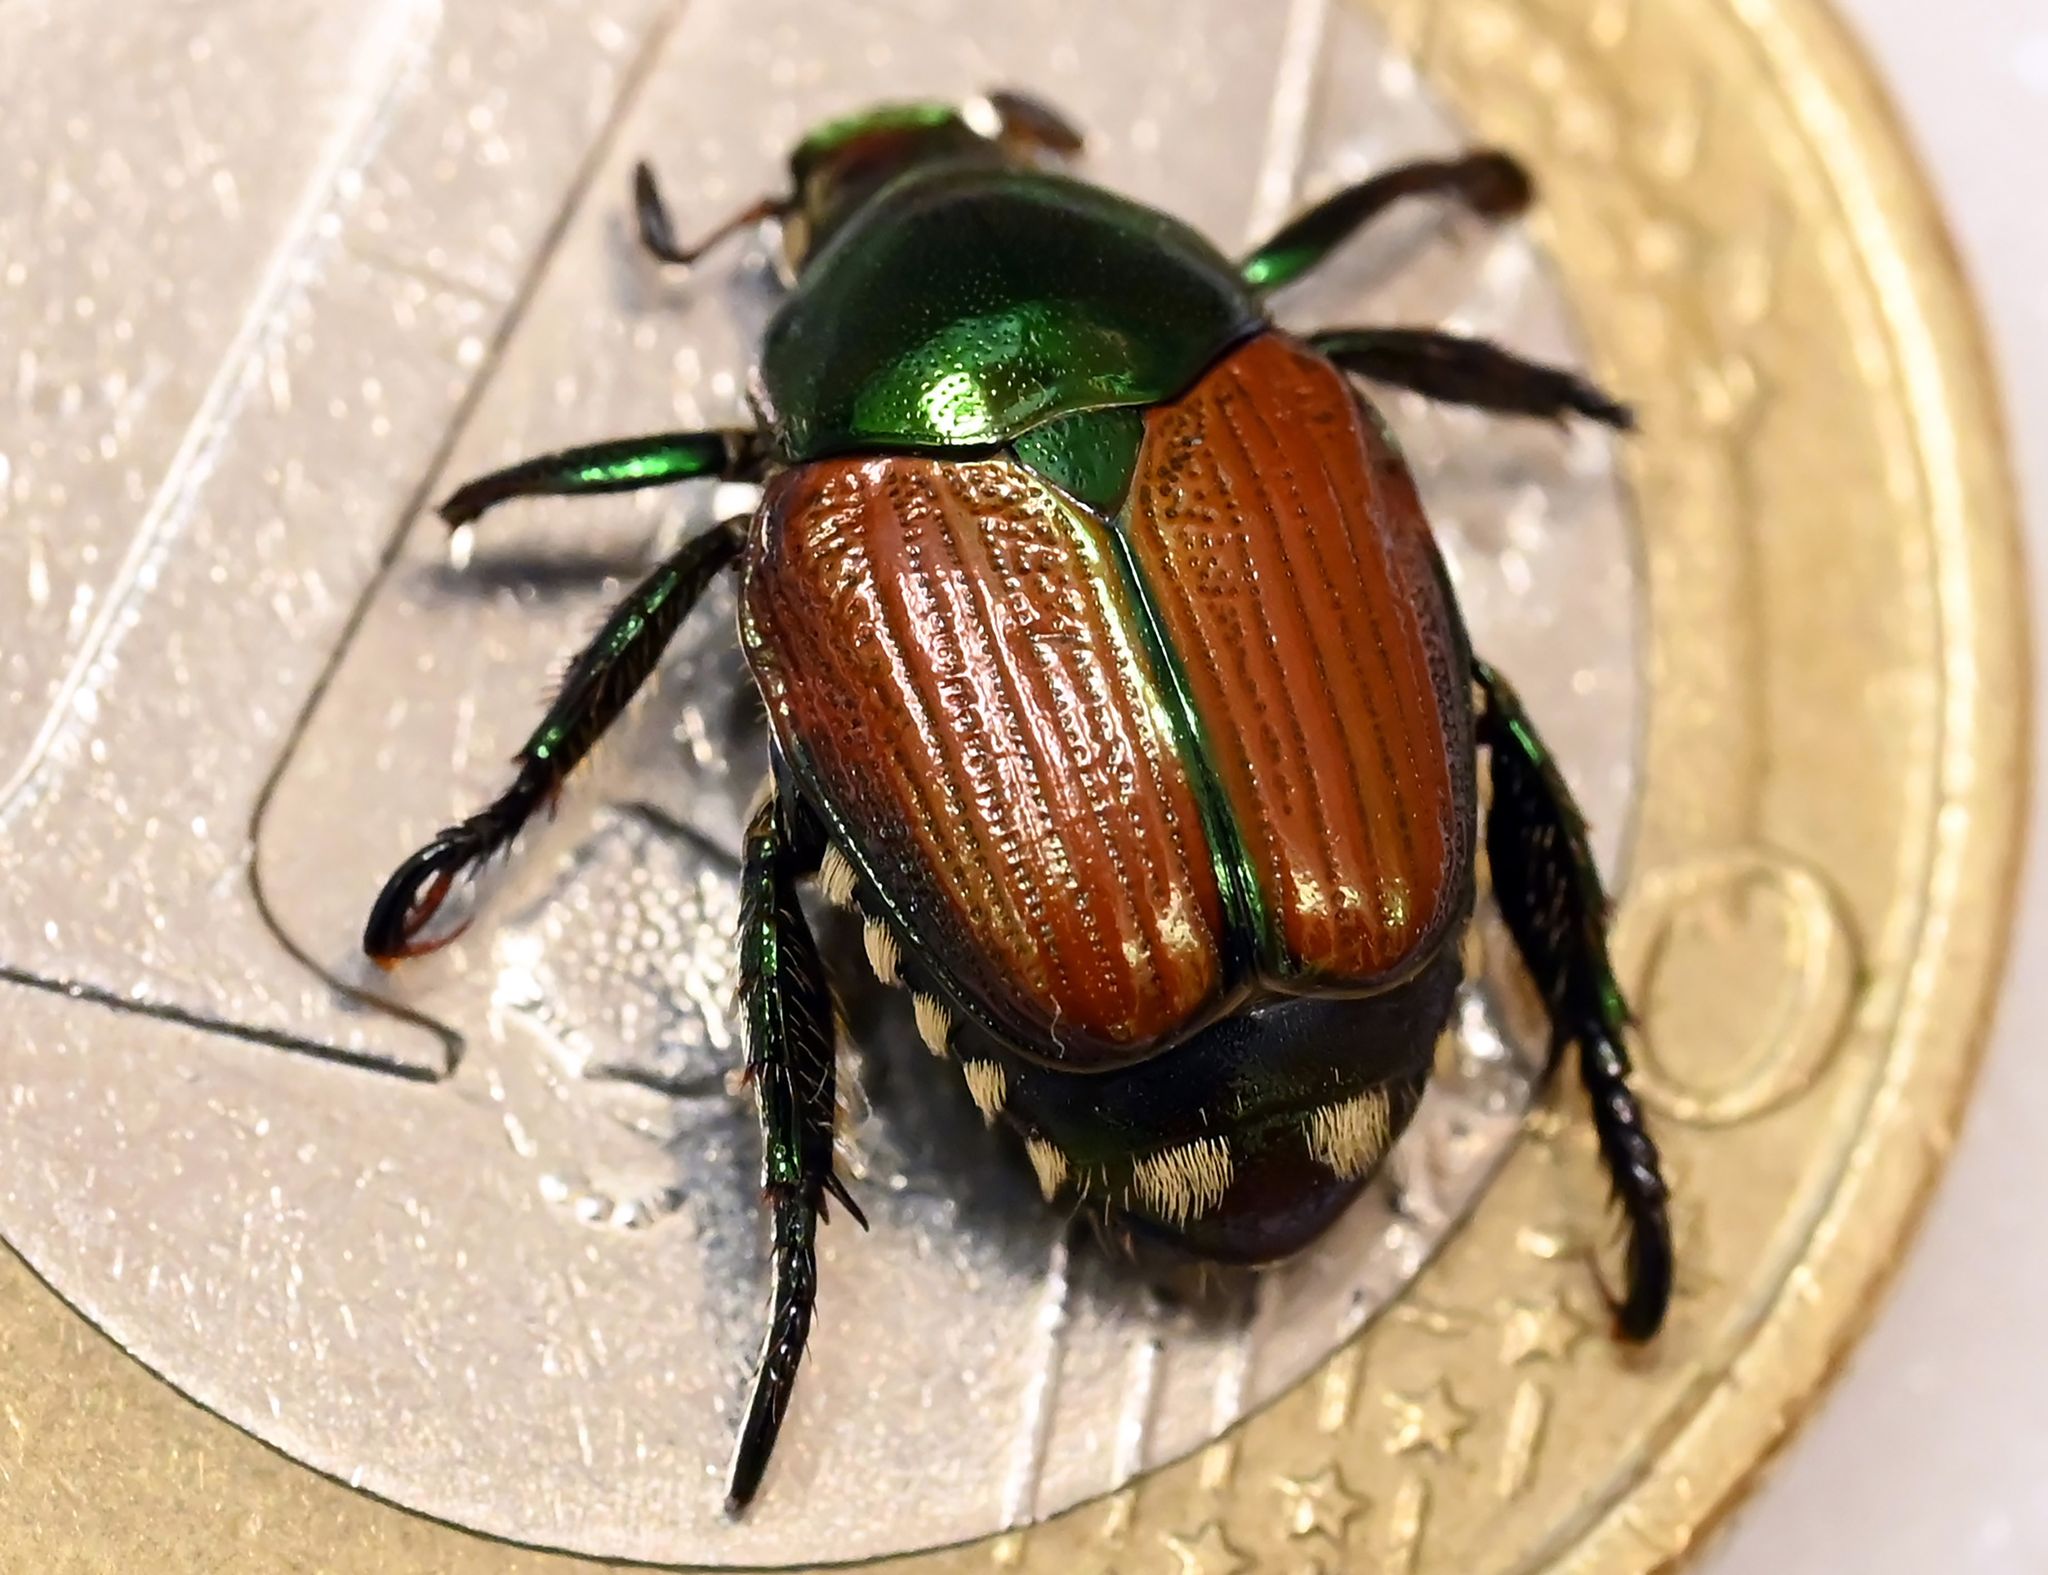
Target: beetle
{"x": 1114, "y": 678}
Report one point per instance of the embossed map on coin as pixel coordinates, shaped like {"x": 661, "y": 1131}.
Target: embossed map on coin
{"x": 495, "y": 1254}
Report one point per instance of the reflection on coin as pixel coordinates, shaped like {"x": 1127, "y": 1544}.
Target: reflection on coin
{"x": 521, "y": 1294}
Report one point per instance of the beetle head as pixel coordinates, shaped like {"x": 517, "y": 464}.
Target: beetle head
{"x": 840, "y": 165}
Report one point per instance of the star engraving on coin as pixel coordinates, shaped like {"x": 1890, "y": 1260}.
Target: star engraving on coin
{"x": 1321, "y": 1503}
{"x": 1430, "y": 1422}
{"x": 1206, "y": 1552}
{"x": 1546, "y": 1329}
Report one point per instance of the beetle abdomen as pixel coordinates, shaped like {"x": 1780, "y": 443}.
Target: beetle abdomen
{"x": 949, "y": 665}
{"x": 1280, "y": 537}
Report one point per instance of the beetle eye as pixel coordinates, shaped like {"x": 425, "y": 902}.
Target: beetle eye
{"x": 792, "y": 244}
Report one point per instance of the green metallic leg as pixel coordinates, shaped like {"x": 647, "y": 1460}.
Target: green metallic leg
{"x": 790, "y": 1062}
{"x": 1549, "y": 892}
{"x": 597, "y": 689}
{"x": 1468, "y": 372}
{"x": 623, "y": 465}
{"x": 1491, "y": 184}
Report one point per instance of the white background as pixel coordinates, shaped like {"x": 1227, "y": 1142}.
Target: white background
{"x": 1931, "y": 1455}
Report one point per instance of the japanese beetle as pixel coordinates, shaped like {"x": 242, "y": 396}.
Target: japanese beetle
{"x": 1114, "y": 678}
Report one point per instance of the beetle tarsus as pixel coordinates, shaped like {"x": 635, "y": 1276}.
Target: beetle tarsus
{"x": 791, "y": 1050}
{"x": 418, "y": 888}
{"x": 1549, "y": 892}
{"x": 782, "y": 1349}
{"x": 600, "y": 684}
{"x": 1489, "y": 183}
{"x": 1494, "y": 184}
{"x": 1633, "y": 1166}
{"x": 1472, "y": 372}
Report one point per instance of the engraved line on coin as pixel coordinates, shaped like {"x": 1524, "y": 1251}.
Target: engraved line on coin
{"x": 1339, "y": 1398}
{"x": 1206, "y": 1551}
{"x": 249, "y": 1033}
{"x": 1407, "y": 1520}
{"x": 661, "y": 821}
{"x": 1235, "y": 1376}
{"x": 395, "y": 46}
{"x": 1035, "y": 1407}
{"x": 1134, "y": 1417}
{"x": 1293, "y": 100}
{"x": 1527, "y": 1414}
{"x": 1818, "y": 967}
{"x": 633, "y": 81}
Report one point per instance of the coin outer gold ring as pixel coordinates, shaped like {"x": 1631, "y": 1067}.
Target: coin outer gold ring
{"x": 1822, "y": 885}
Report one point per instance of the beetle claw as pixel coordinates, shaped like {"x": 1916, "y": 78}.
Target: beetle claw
{"x": 414, "y": 894}
{"x": 1496, "y": 185}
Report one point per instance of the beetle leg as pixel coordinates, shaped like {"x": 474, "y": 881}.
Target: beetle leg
{"x": 1492, "y": 184}
{"x": 621, "y": 465}
{"x": 599, "y": 684}
{"x": 787, "y": 1006}
{"x": 1549, "y": 892}
{"x": 1468, "y": 372}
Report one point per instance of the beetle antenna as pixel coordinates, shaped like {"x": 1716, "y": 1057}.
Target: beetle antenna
{"x": 657, "y": 229}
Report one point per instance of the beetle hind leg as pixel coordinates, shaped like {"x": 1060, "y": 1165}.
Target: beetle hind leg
{"x": 1473, "y": 372}
{"x": 787, "y": 1007}
{"x": 1549, "y": 892}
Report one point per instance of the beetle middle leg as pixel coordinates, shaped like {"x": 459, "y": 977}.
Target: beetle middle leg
{"x": 599, "y": 685}
{"x": 1471, "y": 372}
{"x": 1492, "y": 184}
{"x": 787, "y": 1005}
{"x": 1549, "y": 892}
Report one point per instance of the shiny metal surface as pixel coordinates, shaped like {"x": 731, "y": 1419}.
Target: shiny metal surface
{"x": 305, "y": 266}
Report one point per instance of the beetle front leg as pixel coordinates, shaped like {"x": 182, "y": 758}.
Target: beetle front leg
{"x": 1471, "y": 372}
{"x": 1492, "y": 184}
{"x": 1549, "y": 892}
{"x": 787, "y": 1006}
{"x": 599, "y": 685}
{"x": 659, "y": 459}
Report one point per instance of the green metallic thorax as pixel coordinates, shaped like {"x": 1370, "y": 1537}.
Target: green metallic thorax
{"x": 969, "y": 301}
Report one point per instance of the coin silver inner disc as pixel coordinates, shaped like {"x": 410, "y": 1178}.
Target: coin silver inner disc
{"x": 501, "y": 1260}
